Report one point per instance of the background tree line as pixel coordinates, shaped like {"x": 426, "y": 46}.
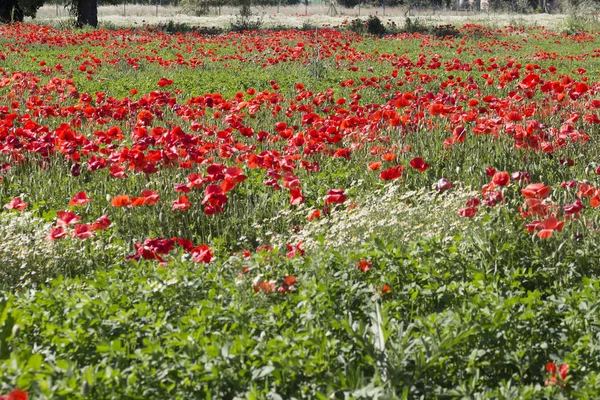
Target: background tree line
{"x": 86, "y": 11}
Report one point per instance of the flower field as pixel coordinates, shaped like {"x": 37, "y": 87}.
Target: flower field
{"x": 299, "y": 214}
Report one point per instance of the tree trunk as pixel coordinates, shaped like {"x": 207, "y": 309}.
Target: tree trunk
{"x": 10, "y": 11}
{"x": 87, "y": 13}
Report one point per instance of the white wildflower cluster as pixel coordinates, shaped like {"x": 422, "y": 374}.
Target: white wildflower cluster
{"x": 391, "y": 214}
{"x": 26, "y": 257}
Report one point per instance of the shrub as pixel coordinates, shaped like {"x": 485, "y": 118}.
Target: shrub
{"x": 375, "y": 26}
{"x": 415, "y": 26}
{"x": 443, "y": 31}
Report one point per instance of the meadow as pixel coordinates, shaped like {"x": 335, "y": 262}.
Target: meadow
{"x": 308, "y": 214}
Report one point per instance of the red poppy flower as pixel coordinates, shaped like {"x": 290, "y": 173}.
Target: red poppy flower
{"x": 150, "y": 197}
{"x": 101, "y": 223}
{"x": 595, "y": 199}
{"x": 520, "y": 176}
{"x": 202, "y": 254}
{"x": 294, "y": 251}
{"x": 181, "y": 204}
{"x": 536, "y": 191}
{"x": 314, "y": 215}
{"x": 473, "y": 202}
{"x": 374, "y": 165}
{"x": 264, "y": 286}
{"x": 181, "y": 188}
{"x": 334, "y": 196}
{"x": 164, "y": 82}
{"x": 137, "y": 201}
{"x": 214, "y": 199}
{"x": 459, "y": 134}
{"x": 501, "y": 178}
{"x": 563, "y": 370}
{"x": 391, "y": 173}
{"x": 152, "y": 248}
{"x": 364, "y": 265}
{"x": 468, "y": 212}
{"x": 83, "y": 231}
{"x": 79, "y": 199}
{"x": 117, "y": 171}
{"x": 145, "y": 117}
{"x": 546, "y": 228}
{"x": 573, "y": 208}
{"x": 16, "y": 204}
{"x": 493, "y": 198}
{"x": 15, "y": 394}
{"x": 490, "y": 171}
{"x": 296, "y": 197}
{"x": 121, "y": 201}
{"x": 290, "y": 181}
{"x": 67, "y": 218}
{"x": 56, "y": 233}
{"x": 418, "y": 164}
{"x": 586, "y": 190}
{"x": 288, "y": 283}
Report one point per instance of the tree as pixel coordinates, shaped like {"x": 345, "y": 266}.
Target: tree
{"x": 10, "y": 11}
{"x": 87, "y": 12}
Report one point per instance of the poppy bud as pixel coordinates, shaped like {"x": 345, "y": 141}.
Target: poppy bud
{"x": 490, "y": 171}
{"x": 16, "y": 330}
{"x": 85, "y": 388}
{"x": 444, "y": 184}
{"x": 75, "y": 169}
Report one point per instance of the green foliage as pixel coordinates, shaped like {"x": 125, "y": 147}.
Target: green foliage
{"x": 414, "y": 26}
{"x": 460, "y": 320}
{"x": 8, "y": 329}
{"x": 445, "y": 31}
{"x": 30, "y": 7}
{"x": 371, "y": 26}
{"x": 375, "y": 26}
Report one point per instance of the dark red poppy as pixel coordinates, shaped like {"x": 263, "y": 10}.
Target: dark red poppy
{"x": 164, "y": 82}
{"x": 418, "y": 164}
{"x": 443, "y": 184}
{"x": 468, "y": 212}
{"x": 459, "y": 134}
{"x": 573, "y": 208}
{"x": 490, "y": 171}
{"x": 392, "y": 173}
